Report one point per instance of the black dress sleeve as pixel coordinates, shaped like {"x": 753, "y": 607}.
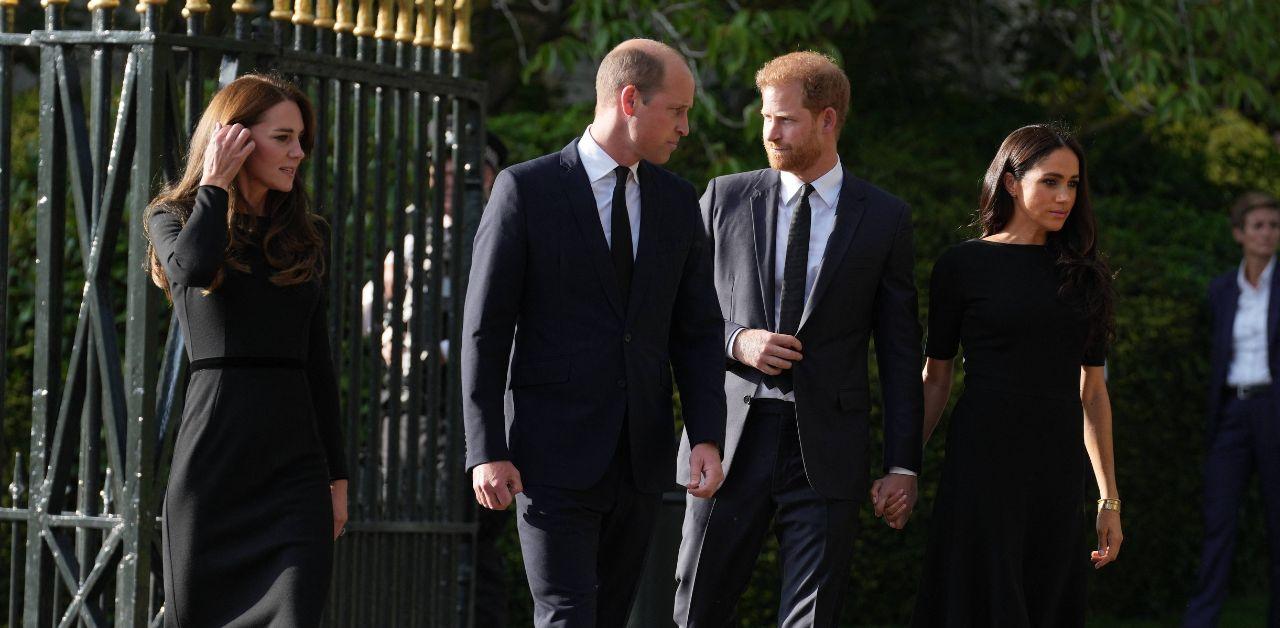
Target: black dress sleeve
{"x": 192, "y": 253}
{"x": 1095, "y": 354}
{"x": 324, "y": 386}
{"x": 946, "y": 309}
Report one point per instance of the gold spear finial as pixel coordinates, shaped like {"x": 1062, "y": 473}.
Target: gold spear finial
{"x": 243, "y": 7}
{"x": 425, "y": 13}
{"x": 302, "y": 14}
{"x": 94, "y": 5}
{"x": 324, "y": 14}
{"x": 193, "y": 7}
{"x": 444, "y": 24}
{"x": 364, "y": 19}
{"x": 462, "y": 27}
{"x": 404, "y": 21}
{"x": 344, "y": 23}
{"x": 280, "y": 10}
{"x": 142, "y": 7}
{"x": 386, "y": 19}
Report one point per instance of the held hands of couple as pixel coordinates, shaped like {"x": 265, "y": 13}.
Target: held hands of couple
{"x": 894, "y": 497}
{"x": 705, "y": 471}
{"x": 766, "y": 351}
{"x": 226, "y": 151}
{"x": 496, "y": 484}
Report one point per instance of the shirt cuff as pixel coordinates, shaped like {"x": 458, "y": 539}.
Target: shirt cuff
{"x": 901, "y": 471}
{"x": 728, "y": 349}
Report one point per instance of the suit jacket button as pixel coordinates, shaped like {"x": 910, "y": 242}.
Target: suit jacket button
{"x": 622, "y": 383}
{"x": 747, "y": 400}
{"x": 626, "y": 337}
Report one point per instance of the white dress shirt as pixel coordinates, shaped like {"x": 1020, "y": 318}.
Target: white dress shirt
{"x": 1249, "y": 333}
{"x": 599, "y": 166}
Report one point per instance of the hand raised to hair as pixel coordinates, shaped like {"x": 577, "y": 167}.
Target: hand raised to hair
{"x": 225, "y": 153}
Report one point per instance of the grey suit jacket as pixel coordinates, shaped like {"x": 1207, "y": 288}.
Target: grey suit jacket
{"x": 865, "y": 285}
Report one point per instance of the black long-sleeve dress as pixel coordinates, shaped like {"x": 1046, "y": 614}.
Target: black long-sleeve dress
{"x": 248, "y": 518}
{"x": 1006, "y": 546}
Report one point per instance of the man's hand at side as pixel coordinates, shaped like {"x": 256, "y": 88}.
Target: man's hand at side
{"x": 705, "y": 472}
{"x": 766, "y": 351}
{"x": 496, "y": 484}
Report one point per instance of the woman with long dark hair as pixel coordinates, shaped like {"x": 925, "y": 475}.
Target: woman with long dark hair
{"x": 257, "y": 490}
{"x": 1031, "y": 303}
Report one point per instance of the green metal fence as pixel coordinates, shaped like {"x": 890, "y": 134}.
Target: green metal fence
{"x": 119, "y": 94}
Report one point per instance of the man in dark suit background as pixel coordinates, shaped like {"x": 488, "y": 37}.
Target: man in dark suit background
{"x": 1244, "y": 407}
{"x": 808, "y": 261}
{"x": 590, "y": 284}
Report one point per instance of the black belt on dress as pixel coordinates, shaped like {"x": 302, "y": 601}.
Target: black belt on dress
{"x": 246, "y": 362}
{"x": 1247, "y": 392}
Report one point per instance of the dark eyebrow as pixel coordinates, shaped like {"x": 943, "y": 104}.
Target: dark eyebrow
{"x": 1055, "y": 174}
{"x": 282, "y": 129}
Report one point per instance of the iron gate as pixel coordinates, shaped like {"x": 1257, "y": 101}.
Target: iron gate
{"x": 396, "y": 121}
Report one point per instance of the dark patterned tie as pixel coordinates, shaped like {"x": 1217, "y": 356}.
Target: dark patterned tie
{"x": 794, "y": 268}
{"x": 620, "y": 233}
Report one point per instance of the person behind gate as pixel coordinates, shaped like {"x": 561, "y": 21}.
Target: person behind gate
{"x": 590, "y": 286}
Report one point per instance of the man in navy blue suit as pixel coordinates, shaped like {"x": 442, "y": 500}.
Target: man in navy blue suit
{"x": 590, "y": 285}
{"x": 1244, "y": 405}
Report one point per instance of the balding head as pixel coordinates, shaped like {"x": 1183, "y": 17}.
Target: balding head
{"x": 643, "y": 63}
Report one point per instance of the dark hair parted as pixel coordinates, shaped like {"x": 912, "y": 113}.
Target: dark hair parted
{"x": 823, "y": 82}
{"x": 1085, "y": 277}
{"x": 637, "y": 62}
{"x": 293, "y": 244}
{"x": 1248, "y": 202}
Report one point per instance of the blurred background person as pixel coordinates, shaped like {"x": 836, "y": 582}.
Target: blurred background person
{"x": 1243, "y": 418}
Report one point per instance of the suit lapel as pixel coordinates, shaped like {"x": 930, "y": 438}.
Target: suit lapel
{"x": 764, "y": 210}
{"x": 651, "y": 219}
{"x": 849, "y": 210}
{"x": 582, "y": 204}
{"x": 1230, "y": 307}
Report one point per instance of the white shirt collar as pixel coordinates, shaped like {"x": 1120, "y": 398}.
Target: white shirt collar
{"x": 827, "y": 186}
{"x": 1264, "y": 280}
{"x": 598, "y": 163}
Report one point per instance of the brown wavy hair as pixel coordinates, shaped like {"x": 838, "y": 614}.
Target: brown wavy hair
{"x": 293, "y": 244}
{"x": 1085, "y": 276}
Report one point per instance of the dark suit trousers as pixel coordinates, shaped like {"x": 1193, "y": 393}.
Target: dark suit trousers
{"x": 722, "y": 536}
{"x": 584, "y": 550}
{"x": 1247, "y": 437}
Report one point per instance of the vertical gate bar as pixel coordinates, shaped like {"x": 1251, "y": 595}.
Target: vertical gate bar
{"x": 47, "y": 363}
{"x": 7, "y": 10}
{"x": 141, "y": 340}
{"x": 385, "y": 415}
{"x": 418, "y": 347}
{"x": 17, "y": 488}
{"x": 195, "y": 13}
{"x": 362, "y": 31}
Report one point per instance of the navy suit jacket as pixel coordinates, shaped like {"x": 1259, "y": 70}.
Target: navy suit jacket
{"x": 865, "y": 285}
{"x": 552, "y": 359}
{"x": 1224, "y": 299}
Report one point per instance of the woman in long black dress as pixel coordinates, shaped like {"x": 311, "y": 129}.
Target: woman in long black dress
{"x": 1031, "y": 304}
{"x": 257, "y": 490}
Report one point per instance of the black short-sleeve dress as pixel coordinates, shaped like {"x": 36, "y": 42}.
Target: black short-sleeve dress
{"x": 1006, "y": 540}
{"x": 248, "y": 519}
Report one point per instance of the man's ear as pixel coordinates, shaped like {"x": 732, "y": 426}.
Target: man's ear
{"x": 627, "y": 99}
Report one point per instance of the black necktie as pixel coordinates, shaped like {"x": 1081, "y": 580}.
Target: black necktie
{"x": 620, "y": 233}
{"x": 795, "y": 267}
